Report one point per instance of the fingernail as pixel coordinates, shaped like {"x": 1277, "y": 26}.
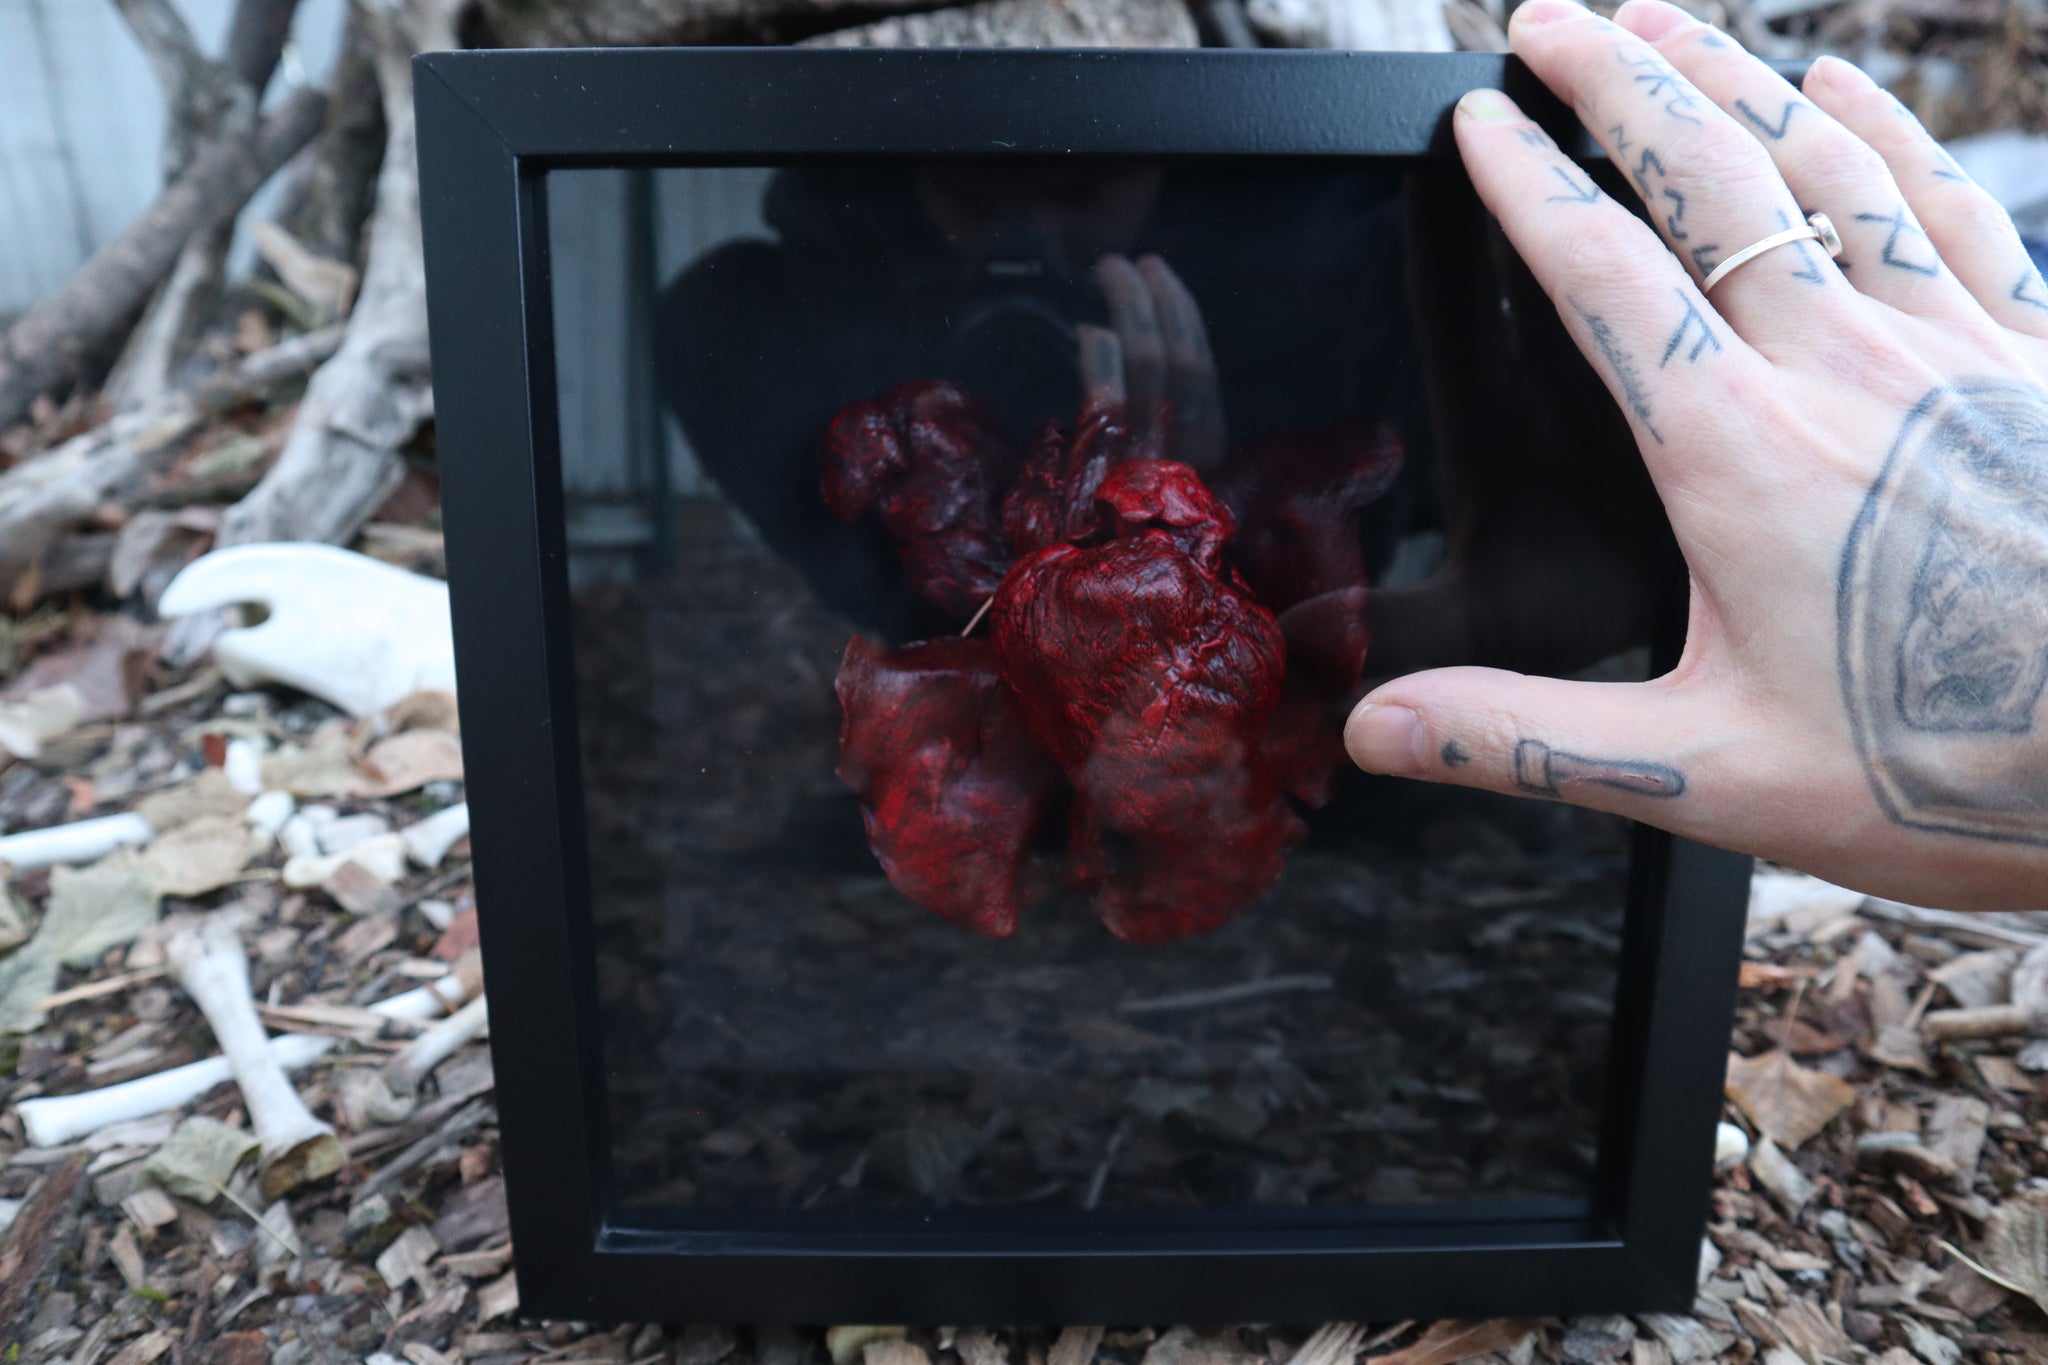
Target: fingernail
{"x": 1652, "y": 20}
{"x": 1546, "y": 11}
{"x": 1490, "y": 106}
{"x": 1844, "y": 78}
{"x": 1387, "y": 739}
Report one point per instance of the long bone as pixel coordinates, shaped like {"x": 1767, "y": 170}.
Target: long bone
{"x": 391, "y": 1092}
{"x": 205, "y": 953}
{"x": 58, "y": 1119}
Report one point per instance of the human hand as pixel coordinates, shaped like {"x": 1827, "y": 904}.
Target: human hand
{"x": 1156, "y": 348}
{"x": 1854, "y": 461}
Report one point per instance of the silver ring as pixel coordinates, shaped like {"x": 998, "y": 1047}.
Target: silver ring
{"x": 1816, "y": 228}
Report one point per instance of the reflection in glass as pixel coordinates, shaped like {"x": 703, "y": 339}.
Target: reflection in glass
{"x": 1077, "y": 907}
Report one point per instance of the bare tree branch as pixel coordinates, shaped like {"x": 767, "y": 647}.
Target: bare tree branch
{"x": 199, "y": 94}
{"x": 341, "y": 460}
{"x": 51, "y": 343}
{"x": 48, "y": 494}
{"x": 256, "y": 39}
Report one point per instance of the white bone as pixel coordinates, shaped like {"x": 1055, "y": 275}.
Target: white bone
{"x": 54, "y": 1121}
{"x": 79, "y": 842}
{"x": 390, "y": 1093}
{"x": 67, "y": 1118}
{"x": 269, "y": 813}
{"x": 339, "y": 836}
{"x": 382, "y": 856}
{"x": 243, "y": 767}
{"x": 205, "y": 952}
{"x": 299, "y": 837}
{"x": 59, "y": 1119}
{"x": 427, "y": 842}
{"x": 342, "y": 626}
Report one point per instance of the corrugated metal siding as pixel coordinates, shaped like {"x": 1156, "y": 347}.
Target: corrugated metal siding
{"x": 81, "y": 127}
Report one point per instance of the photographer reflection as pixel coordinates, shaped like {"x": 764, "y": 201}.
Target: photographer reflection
{"x": 1031, "y": 285}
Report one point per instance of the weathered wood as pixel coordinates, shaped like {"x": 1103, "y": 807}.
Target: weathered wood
{"x": 50, "y": 345}
{"x": 1029, "y": 23}
{"x": 48, "y": 494}
{"x": 635, "y": 23}
{"x": 42, "y": 1232}
{"x": 341, "y": 460}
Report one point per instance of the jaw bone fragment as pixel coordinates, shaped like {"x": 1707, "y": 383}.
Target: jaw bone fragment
{"x": 342, "y": 626}
{"x": 205, "y": 952}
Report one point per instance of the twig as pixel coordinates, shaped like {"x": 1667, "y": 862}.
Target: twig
{"x": 979, "y": 612}
{"x": 1981, "y": 926}
{"x": 1297, "y": 983}
{"x": 93, "y": 990}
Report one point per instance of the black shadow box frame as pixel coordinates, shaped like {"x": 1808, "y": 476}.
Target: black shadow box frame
{"x": 490, "y": 126}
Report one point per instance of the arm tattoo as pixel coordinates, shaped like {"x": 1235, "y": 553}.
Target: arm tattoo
{"x": 1774, "y": 131}
{"x": 1942, "y": 610}
{"x": 1691, "y": 319}
{"x": 1624, "y": 369}
{"x": 1901, "y": 226}
{"x": 1543, "y": 771}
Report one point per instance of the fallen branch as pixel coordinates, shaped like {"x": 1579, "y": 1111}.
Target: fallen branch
{"x": 205, "y": 952}
{"x": 50, "y": 345}
{"x": 341, "y": 460}
{"x": 48, "y": 494}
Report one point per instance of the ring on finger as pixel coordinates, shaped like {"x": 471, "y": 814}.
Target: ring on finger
{"x": 1816, "y": 228}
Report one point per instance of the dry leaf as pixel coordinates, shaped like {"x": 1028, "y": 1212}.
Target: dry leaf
{"x": 1451, "y": 1340}
{"x": 1785, "y": 1100}
{"x": 199, "y": 856}
{"x": 92, "y": 909}
{"x": 2015, "y": 1246}
{"x": 408, "y": 761}
{"x": 329, "y": 286}
{"x": 208, "y": 793}
{"x": 321, "y": 768}
{"x": 41, "y": 715}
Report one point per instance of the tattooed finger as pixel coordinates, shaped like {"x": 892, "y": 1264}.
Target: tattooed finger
{"x": 1704, "y": 180}
{"x": 1887, "y": 254}
{"x": 1966, "y": 227}
{"x": 1658, "y": 345}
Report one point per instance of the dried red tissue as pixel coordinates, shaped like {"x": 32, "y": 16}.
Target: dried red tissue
{"x": 952, "y": 790}
{"x": 929, "y": 460}
{"x": 1149, "y": 674}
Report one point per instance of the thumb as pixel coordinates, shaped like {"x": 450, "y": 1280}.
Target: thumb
{"x": 1619, "y": 747}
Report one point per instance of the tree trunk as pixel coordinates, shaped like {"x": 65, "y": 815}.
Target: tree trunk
{"x": 51, "y": 344}
{"x": 341, "y": 460}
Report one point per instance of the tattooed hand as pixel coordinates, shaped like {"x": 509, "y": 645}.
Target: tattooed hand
{"x": 1853, "y": 455}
